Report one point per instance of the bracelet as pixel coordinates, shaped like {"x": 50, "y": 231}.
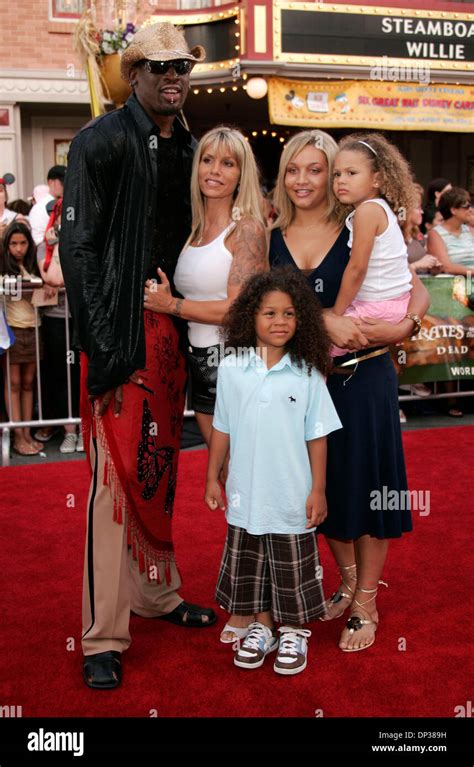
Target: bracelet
{"x": 177, "y": 310}
{"x": 414, "y": 318}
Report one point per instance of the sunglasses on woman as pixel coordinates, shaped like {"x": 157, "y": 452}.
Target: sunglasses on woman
{"x": 180, "y": 66}
{"x": 467, "y": 205}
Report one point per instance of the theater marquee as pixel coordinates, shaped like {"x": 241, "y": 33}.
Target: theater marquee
{"x": 361, "y": 35}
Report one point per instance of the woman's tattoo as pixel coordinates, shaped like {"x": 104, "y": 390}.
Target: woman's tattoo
{"x": 177, "y": 308}
{"x": 249, "y": 256}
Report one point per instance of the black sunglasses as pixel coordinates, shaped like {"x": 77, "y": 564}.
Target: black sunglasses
{"x": 180, "y": 66}
{"x": 467, "y": 205}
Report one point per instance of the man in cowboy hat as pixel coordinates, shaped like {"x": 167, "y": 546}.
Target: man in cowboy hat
{"x": 126, "y": 212}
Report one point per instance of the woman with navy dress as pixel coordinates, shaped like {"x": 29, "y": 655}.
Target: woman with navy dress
{"x": 366, "y": 455}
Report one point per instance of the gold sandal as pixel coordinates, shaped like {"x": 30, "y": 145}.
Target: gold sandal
{"x": 355, "y": 622}
{"x": 339, "y": 594}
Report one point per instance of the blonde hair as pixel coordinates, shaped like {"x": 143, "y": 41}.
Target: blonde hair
{"x": 286, "y": 209}
{"x": 396, "y": 180}
{"x": 412, "y": 231}
{"x": 248, "y": 199}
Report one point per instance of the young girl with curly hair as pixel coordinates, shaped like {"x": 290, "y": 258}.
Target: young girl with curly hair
{"x": 274, "y": 411}
{"x": 371, "y": 175}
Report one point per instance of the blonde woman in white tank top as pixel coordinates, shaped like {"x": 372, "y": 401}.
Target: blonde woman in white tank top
{"x": 227, "y": 245}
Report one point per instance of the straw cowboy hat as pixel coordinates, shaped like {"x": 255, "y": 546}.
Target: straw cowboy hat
{"x": 159, "y": 42}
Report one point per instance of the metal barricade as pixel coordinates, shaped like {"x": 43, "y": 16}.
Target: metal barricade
{"x": 10, "y": 286}
{"x": 13, "y": 286}
{"x": 435, "y": 394}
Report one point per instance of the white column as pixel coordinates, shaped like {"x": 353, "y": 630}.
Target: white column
{"x": 10, "y": 147}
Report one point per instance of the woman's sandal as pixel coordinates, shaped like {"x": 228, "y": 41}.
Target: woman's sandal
{"x": 238, "y": 632}
{"x": 355, "y": 622}
{"x": 339, "y": 594}
{"x": 29, "y": 450}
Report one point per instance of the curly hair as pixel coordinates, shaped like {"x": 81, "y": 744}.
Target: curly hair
{"x": 310, "y": 343}
{"x": 396, "y": 180}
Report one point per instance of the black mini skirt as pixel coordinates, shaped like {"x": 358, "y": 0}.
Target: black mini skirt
{"x": 203, "y": 364}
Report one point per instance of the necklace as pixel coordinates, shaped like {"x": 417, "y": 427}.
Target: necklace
{"x": 302, "y": 226}
{"x": 198, "y": 242}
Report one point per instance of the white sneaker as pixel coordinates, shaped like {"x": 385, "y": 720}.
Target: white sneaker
{"x": 292, "y": 653}
{"x": 403, "y": 418}
{"x": 257, "y": 644}
{"x": 80, "y": 443}
{"x": 68, "y": 445}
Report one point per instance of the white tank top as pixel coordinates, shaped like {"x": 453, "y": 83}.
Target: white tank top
{"x": 202, "y": 274}
{"x": 388, "y": 275}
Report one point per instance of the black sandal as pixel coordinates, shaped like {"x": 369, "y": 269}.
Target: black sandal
{"x": 191, "y": 616}
{"x": 103, "y": 670}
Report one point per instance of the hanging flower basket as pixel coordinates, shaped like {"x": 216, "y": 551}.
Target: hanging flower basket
{"x": 100, "y": 51}
{"x": 112, "y": 43}
{"x": 115, "y": 89}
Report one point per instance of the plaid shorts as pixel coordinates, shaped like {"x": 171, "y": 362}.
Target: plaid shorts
{"x": 273, "y": 572}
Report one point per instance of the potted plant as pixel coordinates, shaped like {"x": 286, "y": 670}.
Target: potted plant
{"x": 112, "y": 42}
{"x": 100, "y": 50}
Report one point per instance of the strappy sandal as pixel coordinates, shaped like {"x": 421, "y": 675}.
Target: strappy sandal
{"x": 355, "y": 622}
{"x": 340, "y": 594}
{"x": 186, "y": 614}
{"x": 238, "y": 632}
{"x": 103, "y": 670}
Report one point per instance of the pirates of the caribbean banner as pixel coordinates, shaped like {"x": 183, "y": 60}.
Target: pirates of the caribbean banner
{"x": 444, "y": 349}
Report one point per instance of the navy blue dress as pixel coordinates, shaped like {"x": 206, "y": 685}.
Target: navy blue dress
{"x": 366, "y": 455}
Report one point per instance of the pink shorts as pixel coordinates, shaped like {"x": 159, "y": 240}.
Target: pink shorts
{"x": 392, "y": 310}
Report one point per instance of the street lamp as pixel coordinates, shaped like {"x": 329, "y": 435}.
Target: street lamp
{"x": 257, "y": 88}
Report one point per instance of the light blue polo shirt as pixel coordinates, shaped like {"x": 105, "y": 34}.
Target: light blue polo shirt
{"x": 269, "y": 415}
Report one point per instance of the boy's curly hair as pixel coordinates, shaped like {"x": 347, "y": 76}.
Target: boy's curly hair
{"x": 397, "y": 186}
{"x": 310, "y": 343}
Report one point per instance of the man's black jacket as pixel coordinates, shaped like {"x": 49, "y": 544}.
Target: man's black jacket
{"x": 110, "y": 199}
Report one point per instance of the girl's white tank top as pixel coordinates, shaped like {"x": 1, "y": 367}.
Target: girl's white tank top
{"x": 388, "y": 275}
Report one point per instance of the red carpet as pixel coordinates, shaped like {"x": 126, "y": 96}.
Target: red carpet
{"x": 181, "y": 672}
